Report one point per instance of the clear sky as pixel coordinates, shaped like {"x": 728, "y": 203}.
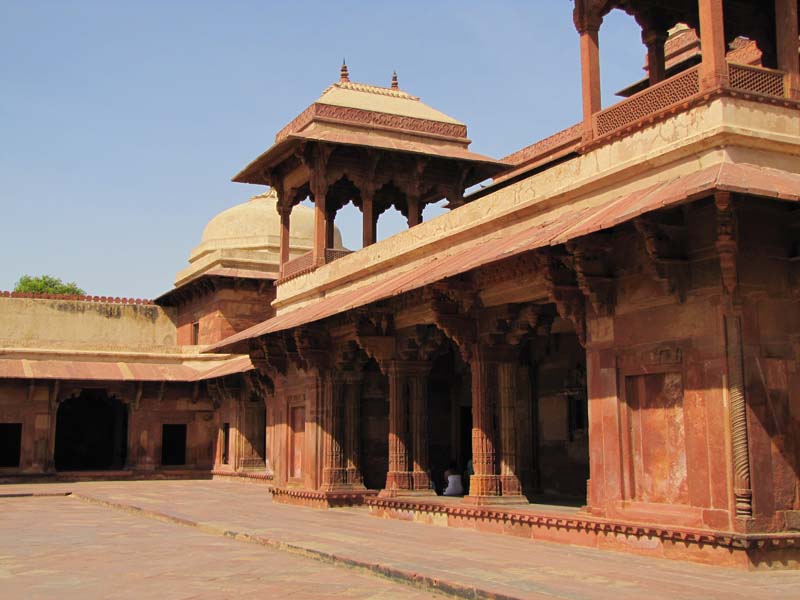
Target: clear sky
{"x": 121, "y": 123}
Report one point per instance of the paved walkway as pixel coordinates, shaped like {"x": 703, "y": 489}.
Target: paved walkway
{"x": 469, "y": 561}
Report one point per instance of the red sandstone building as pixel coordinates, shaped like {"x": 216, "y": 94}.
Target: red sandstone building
{"x": 612, "y": 324}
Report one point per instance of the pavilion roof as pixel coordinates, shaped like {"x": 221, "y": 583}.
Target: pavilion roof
{"x": 358, "y": 114}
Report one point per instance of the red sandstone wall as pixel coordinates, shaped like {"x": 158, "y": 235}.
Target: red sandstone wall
{"x": 223, "y": 313}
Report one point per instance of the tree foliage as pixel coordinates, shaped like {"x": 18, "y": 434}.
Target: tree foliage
{"x": 46, "y": 284}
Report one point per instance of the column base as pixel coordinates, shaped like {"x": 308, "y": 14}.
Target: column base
{"x": 510, "y": 485}
{"x": 484, "y": 485}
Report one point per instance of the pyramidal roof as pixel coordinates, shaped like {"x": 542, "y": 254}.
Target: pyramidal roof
{"x": 380, "y": 99}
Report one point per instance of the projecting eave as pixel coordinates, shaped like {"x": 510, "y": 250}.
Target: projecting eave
{"x": 339, "y": 135}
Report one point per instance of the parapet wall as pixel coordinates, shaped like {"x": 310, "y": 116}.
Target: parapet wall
{"x": 85, "y": 323}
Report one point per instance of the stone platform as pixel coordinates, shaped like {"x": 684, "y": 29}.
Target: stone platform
{"x": 567, "y": 525}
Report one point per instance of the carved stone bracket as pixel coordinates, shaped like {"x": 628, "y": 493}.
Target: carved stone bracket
{"x": 313, "y": 348}
{"x": 563, "y": 290}
{"x": 221, "y": 391}
{"x": 666, "y": 262}
{"x": 592, "y": 261}
{"x": 454, "y": 308}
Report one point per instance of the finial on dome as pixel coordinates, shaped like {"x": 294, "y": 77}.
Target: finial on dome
{"x": 395, "y": 85}
{"x": 344, "y": 74}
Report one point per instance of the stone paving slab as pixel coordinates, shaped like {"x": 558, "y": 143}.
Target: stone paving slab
{"x": 60, "y": 547}
{"x": 488, "y": 565}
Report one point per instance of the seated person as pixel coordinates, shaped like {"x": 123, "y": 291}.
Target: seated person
{"x": 453, "y": 480}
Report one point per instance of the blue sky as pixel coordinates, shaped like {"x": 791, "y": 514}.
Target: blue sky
{"x": 121, "y": 123}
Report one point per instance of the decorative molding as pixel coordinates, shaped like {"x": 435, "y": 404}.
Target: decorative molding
{"x": 370, "y": 118}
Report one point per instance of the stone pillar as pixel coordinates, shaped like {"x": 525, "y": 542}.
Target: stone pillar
{"x": 509, "y": 419}
{"x": 320, "y": 190}
{"x": 398, "y": 479}
{"x": 655, "y": 39}
{"x": 329, "y": 219}
{"x": 352, "y": 407}
{"x": 369, "y": 222}
{"x": 418, "y": 410}
{"x": 589, "y": 29}
{"x": 786, "y": 40}
{"x": 285, "y": 213}
{"x": 485, "y": 483}
{"x": 314, "y": 436}
{"x": 734, "y": 353}
{"x": 714, "y": 68}
{"x": 334, "y": 470}
{"x": 414, "y": 212}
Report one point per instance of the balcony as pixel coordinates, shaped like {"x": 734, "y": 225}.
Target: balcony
{"x": 681, "y": 92}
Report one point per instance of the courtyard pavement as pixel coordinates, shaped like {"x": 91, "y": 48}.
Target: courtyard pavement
{"x": 217, "y": 539}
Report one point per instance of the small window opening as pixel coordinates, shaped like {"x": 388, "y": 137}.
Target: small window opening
{"x": 10, "y": 444}
{"x": 195, "y": 333}
{"x": 173, "y": 444}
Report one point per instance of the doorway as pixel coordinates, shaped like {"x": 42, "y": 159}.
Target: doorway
{"x": 91, "y": 432}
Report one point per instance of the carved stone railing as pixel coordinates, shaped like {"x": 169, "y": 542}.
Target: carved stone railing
{"x": 682, "y": 89}
{"x": 648, "y": 102}
{"x": 305, "y": 262}
{"x": 298, "y": 265}
{"x": 332, "y": 254}
{"x": 758, "y": 80}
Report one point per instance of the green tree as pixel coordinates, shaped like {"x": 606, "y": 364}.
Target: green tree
{"x": 46, "y": 284}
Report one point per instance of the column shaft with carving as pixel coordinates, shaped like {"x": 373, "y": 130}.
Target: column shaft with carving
{"x": 507, "y": 389}
{"x": 399, "y": 476}
{"x": 352, "y": 407}
{"x": 727, "y": 248}
{"x": 334, "y": 471}
{"x": 485, "y": 483}
{"x": 418, "y": 410}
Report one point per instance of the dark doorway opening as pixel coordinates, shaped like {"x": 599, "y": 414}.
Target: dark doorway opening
{"x": 449, "y": 416}
{"x": 91, "y": 432}
{"x": 10, "y": 444}
{"x": 374, "y": 427}
{"x": 173, "y": 444}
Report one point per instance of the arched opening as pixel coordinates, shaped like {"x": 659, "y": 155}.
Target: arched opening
{"x": 374, "y": 444}
{"x": 434, "y": 209}
{"x": 91, "y": 432}
{"x": 348, "y": 221}
{"x": 391, "y": 222}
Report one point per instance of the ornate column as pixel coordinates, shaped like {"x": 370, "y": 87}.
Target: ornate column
{"x": 485, "y": 483}
{"x": 330, "y": 216}
{"x": 352, "y": 408}
{"x": 285, "y": 213}
{"x": 737, "y": 400}
{"x": 714, "y": 68}
{"x": 368, "y": 222}
{"x": 319, "y": 188}
{"x": 655, "y": 39}
{"x": 786, "y": 40}
{"x": 508, "y": 420}
{"x": 398, "y": 479}
{"x": 588, "y": 25}
{"x": 414, "y": 212}
{"x": 418, "y": 410}
{"x": 334, "y": 469}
